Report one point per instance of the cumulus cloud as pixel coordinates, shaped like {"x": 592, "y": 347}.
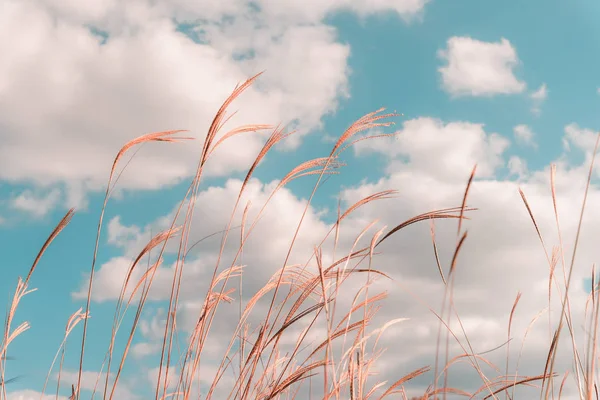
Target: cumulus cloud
{"x": 541, "y": 93}
{"x": 34, "y": 204}
{"x": 32, "y": 395}
{"x": 425, "y": 143}
{"x": 524, "y": 135}
{"x": 538, "y": 97}
{"x": 502, "y": 254}
{"x": 90, "y": 379}
{"x": 517, "y": 167}
{"x": 478, "y": 68}
{"x": 107, "y": 94}
{"x": 120, "y": 235}
{"x": 213, "y": 208}
{"x": 78, "y": 80}
{"x": 582, "y": 138}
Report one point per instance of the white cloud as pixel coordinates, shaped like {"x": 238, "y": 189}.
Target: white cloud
{"x": 70, "y": 99}
{"x": 144, "y": 349}
{"x": 119, "y": 234}
{"x": 34, "y": 204}
{"x": 28, "y": 394}
{"x": 447, "y": 151}
{"x": 524, "y": 135}
{"x": 538, "y": 97}
{"x": 517, "y": 167}
{"x": 295, "y": 11}
{"x": 92, "y": 380}
{"x": 581, "y": 138}
{"x": 213, "y": 208}
{"x": 477, "y": 68}
{"x": 541, "y": 93}
{"x": 501, "y": 256}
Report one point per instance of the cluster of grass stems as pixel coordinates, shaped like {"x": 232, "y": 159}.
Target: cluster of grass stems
{"x": 262, "y": 372}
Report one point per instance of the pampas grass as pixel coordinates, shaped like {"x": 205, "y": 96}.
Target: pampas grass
{"x": 263, "y": 366}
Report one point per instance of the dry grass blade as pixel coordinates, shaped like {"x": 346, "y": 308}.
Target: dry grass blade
{"x": 321, "y": 165}
{"x": 364, "y": 303}
{"x": 218, "y": 122}
{"x": 155, "y": 241}
{"x": 74, "y": 319}
{"x": 61, "y": 225}
{"x": 275, "y": 138}
{"x": 21, "y": 291}
{"x": 479, "y": 356}
{"x": 376, "y": 331}
{"x": 375, "y": 388}
{"x": 456, "y": 251}
{"x": 429, "y": 393}
{"x": 521, "y": 382}
{"x": 553, "y": 348}
{"x": 464, "y": 202}
{"x": 366, "y": 122}
{"x": 404, "y": 379}
{"x": 164, "y": 136}
{"x": 337, "y": 334}
{"x": 294, "y": 377}
{"x": 537, "y": 229}
{"x": 18, "y": 330}
{"x": 439, "y": 214}
{"x": 562, "y": 384}
{"x": 237, "y": 131}
{"x": 161, "y": 237}
{"x": 436, "y": 254}
{"x": 369, "y": 137}
{"x": 510, "y": 319}
{"x": 295, "y": 319}
{"x": 575, "y": 246}
{"x": 146, "y": 276}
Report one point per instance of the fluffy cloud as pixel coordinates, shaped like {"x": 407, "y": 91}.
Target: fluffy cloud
{"x": 71, "y": 95}
{"x": 477, "y": 68}
{"x": 424, "y": 142}
{"x": 502, "y": 254}
{"x": 583, "y": 139}
{"x": 78, "y": 80}
{"x": 92, "y": 380}
{"x": 94, "y": 111}
{"x": 517, "y": 167}
{"x": 32, "y": 395}
{"x": 538, "y": 97}
{"x": 524, "y": 135}
{"x": 213, "y": 208}
{"x": 121, "y": 235}
{"x": 35, "y": 205}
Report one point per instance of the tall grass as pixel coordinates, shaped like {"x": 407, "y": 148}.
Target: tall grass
{"x": 299, "y": 300}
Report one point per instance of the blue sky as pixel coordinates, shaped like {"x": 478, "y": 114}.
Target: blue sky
{"x": 512, "y": 86}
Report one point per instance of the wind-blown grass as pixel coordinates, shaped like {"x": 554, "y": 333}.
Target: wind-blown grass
{"x": 298, "y": 299}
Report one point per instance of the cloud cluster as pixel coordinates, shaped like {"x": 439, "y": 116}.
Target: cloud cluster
{"x": 524, "y": 135}
{"x": 32, "y": 395}
{"x": 501, "y": 257}
{"x": 477, "y": 68}
{"x": 78, "y": 80}
{"x": 119, "y": 69}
